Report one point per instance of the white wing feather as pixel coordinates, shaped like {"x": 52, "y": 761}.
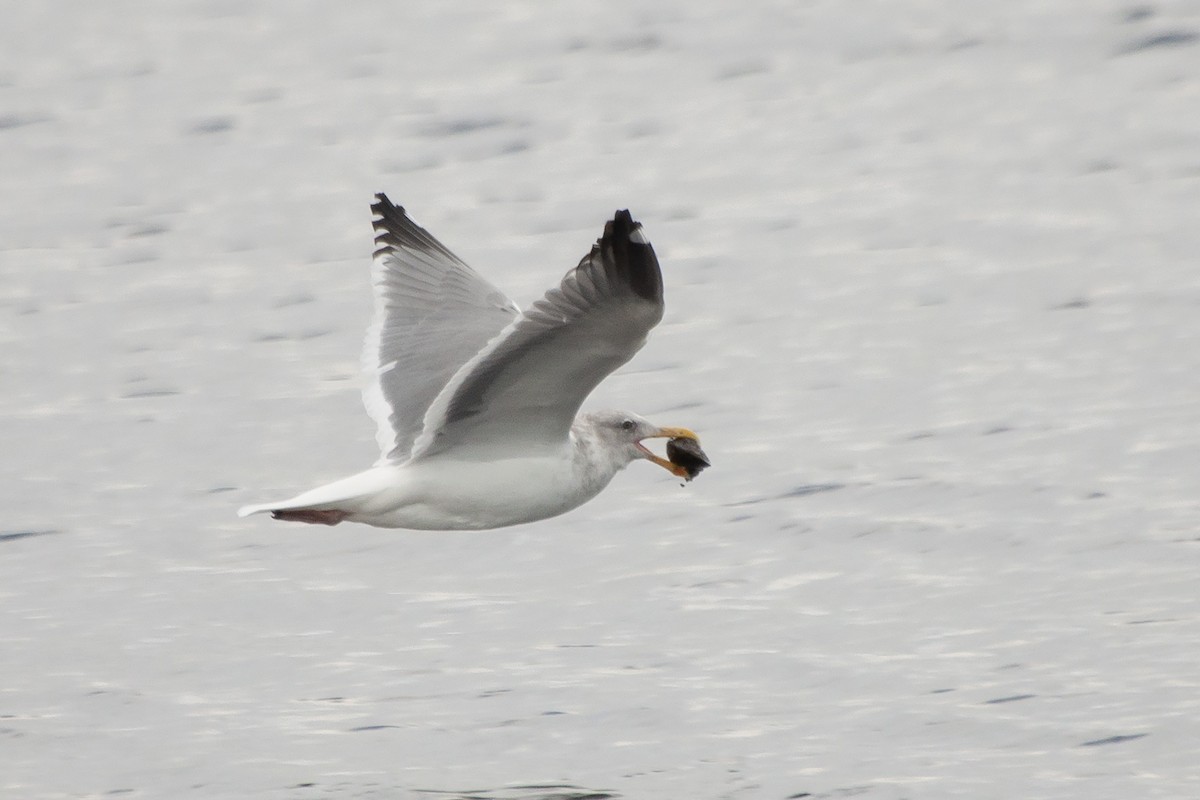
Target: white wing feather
{"x": 433, "y": 313}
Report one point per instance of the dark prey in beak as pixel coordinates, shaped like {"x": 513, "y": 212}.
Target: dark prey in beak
{"x": 686, "y": 454}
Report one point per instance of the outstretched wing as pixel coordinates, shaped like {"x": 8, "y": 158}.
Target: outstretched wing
{"x": 433, "y": 313}
{"x": 520, "y": 394}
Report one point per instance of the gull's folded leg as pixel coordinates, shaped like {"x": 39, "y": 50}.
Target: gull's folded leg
{"x": 331, "y": 516}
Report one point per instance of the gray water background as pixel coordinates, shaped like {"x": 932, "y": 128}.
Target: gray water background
{"x": 933, "y": 304}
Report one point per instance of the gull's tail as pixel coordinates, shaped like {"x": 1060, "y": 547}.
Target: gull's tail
{"x": 331, "y": 503}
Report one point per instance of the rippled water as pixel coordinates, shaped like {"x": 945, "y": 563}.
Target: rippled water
{"x": 931, "y": 305}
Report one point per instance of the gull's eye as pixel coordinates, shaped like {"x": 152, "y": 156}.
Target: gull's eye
{"x": 628, "y": 425}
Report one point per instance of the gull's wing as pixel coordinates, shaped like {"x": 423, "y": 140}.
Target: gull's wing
{"x": 433, "y": 313}
{"x": 521, "y": 392}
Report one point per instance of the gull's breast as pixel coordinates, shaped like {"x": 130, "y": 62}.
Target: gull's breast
{"x": 441, "y": 493}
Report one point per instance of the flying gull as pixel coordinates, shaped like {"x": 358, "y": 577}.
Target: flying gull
{"x": 476, "y": 401}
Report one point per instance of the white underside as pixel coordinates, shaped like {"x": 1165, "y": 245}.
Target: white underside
{"x": 449, "y": 494}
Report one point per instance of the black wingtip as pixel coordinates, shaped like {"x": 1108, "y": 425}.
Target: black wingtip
{"x": 631, "y": 253}
{"x": 384, "y": 208}
{"x": 388, "y": 215}
{"x": 395, "y": 228}
{"x": 389, "y": 220}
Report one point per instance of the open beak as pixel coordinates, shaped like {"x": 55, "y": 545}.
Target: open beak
{"x": 668, "y": 433}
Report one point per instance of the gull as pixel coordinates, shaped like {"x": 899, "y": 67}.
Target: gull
{"x": 477, "y": 402}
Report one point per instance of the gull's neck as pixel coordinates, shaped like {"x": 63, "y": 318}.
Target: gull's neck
{"x": 593, "y": 463}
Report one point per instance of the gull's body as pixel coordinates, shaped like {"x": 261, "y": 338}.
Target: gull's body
{"x": 476, "y": 402}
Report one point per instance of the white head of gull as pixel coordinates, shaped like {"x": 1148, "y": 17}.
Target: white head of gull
{"x": 477, "y": 403}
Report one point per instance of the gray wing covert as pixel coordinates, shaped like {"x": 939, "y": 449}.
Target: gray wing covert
{"x": 527, "y": 386}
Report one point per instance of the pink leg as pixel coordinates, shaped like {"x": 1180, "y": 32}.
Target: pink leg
{"x": 331, "y": 516}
